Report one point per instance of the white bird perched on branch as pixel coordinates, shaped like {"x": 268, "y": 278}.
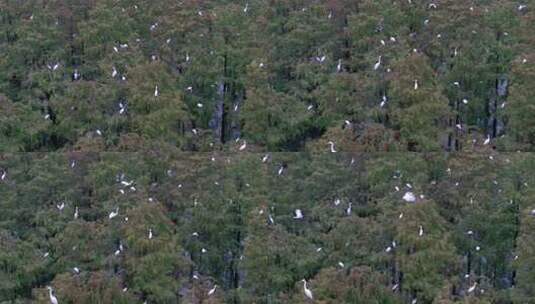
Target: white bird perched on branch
{"x": 421, "y": 231}
{"x": 377, "y": 64}
{"x": 113, "y": 213}
{"x": 75, "y": 212}
{"x": 298, "y": 214}
{"x": 416, "y": 84}
{"x": 308, "y": 292}
{"x": 150, "y": 233}
{"x": 409, "y": 197}
{"x": 212, "y": 291}
{"x": 472, "y": 288}
{"x": 332, "y": 146}
{"x": 243, "y": 146}
{"x": 53, "y": 299}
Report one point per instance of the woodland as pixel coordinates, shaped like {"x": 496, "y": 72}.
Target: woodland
{"x": 267, "y": 151}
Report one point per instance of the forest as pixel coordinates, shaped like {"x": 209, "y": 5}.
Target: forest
{"x": 267, "y": 151}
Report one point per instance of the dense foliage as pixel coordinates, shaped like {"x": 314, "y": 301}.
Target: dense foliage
{"x": 285, "y": 75}
{"x": 230, "y": 220}
{"x": 164, "y": 151}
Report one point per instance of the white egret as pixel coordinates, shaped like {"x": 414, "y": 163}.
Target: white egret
{"x": 61, "y": 206}
{"x": 472, "y": 288}
{"x": 113, "y": 72}
{"x": 522, "y": 7}
{"x": 331, "y": 144}
{"x": 212, "y": 291}
{"x": 487, "y": 140}
{"x": 3, "y": 176}
{"x": 76, "y": 270}
{"x": 337, "y": 202}
{"x": 75, "y": 212}
{"x": 409, "y": 197}
{"x": 243, "y": 146}
{"x": 421, "y": 231}
{"x": 265, "y": 158}
{"x": 377, "y": 64}
{"x": 199, "y": 105}
{"x": 341, "y": 264}
{"x": 416, "y": 84}
{"x": 53, "y": 299}
{"x": 281, "y": 170}
{"x": 113, "y": 213}
{"x": 298, "y": 214}
{"x": 246, "y": 8}
{"x": 308, "y": 292}
{"x": 203, "y": 250}
{"x": 339, "y": 66}
{"x": 156, "y": 93}
{"x": 150, "y": 233}
{"x": 76, "y": 75}
{"x": 383, "y": 101}
{"x": 348, "y": 210}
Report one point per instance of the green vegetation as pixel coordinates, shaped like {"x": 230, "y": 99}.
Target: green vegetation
{"x": 224, "y": 151}
{"x": 284, "y": 75}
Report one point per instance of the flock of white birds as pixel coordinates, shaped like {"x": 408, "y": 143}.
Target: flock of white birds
{"x": 408, "y": 196}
